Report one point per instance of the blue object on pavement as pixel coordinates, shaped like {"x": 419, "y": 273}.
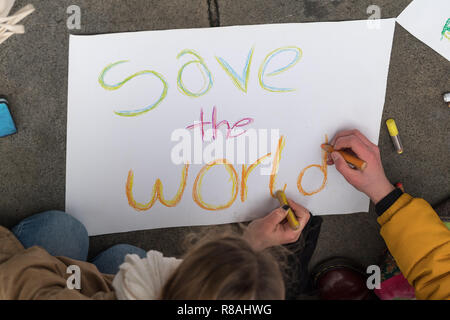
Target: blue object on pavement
{"x": 7, "y": 126}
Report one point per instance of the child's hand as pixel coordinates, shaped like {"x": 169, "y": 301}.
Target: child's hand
{"x": 372, "y": 181}
{"x": 272, "y": 230}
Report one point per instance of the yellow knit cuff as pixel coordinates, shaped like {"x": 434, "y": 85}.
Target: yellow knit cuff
{"x": 397, "y": 205}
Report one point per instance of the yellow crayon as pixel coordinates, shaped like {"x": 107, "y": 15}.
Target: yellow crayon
{"x": 291, "y": 218}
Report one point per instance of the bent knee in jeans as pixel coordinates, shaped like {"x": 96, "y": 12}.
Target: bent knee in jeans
{"x": 57, "y": 232}
{"x": 109, "y": 260}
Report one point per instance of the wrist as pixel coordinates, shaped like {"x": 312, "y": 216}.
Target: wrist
{"x": 381, "y": 191}
{"x": 385, "y": 203}
{"x": 258, "y": 245}
{"x": 253, "y": 241}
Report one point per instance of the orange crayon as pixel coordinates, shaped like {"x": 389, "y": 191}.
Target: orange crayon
{"x": 358, "y": 163}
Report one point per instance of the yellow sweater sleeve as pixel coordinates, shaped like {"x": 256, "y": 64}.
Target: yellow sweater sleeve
{"x": 420, "y": 243}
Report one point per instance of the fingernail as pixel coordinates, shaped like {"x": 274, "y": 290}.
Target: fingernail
{"x": 334, "y": 155}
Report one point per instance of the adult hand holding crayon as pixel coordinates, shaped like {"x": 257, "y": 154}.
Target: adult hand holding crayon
{"x": 372, "y": 180}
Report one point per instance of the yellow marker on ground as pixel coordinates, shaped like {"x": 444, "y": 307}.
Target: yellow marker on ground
{"x": 291, "y": 217}
{"x": 393, "y": 132}
{"x": 447, "y": 98}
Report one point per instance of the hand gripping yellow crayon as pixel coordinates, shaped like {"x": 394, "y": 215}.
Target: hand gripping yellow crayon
{"x": 291, "y": 218}
{"x": 393, "y": 132}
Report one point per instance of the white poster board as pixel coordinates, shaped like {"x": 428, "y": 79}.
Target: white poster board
{"x": 429, "y": 21}
{"x": 130, "y": 93}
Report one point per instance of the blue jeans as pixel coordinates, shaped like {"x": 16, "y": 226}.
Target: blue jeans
{"x": 62, "y": 235}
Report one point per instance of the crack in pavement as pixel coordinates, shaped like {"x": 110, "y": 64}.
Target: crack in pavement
{"x": 213, "y": 13}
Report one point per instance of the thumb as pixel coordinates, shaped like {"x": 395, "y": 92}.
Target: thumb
{"x": 342, "y": 166}
{"x": 276, "y": 216}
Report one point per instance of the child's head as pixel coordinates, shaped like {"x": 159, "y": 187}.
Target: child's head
{"x": 226, "y": 267}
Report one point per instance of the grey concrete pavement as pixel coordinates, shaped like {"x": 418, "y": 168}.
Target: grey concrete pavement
{"x": 281, "y": 11}
{"x": 33, "y": 74}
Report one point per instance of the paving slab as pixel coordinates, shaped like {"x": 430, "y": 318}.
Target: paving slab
{"x": 33, "y": 74}
{"x": 284, "y": 11}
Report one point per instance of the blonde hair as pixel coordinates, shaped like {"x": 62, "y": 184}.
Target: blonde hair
{"x": 225, "y": 267}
